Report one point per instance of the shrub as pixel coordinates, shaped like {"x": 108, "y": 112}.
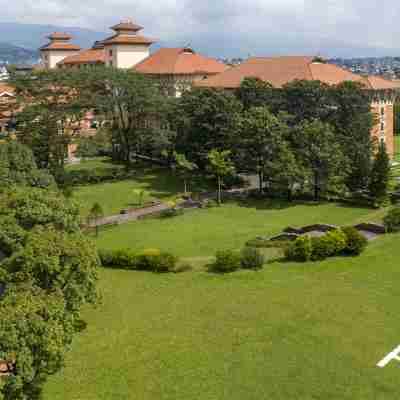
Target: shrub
{"x": 122, "y": 258}
{"x": 148, "y": 259}
{"x": 355, "y": 242}
{"x": 226, "y": 261}
{"x": 165, "y": 262}
{"x": 252, "y": 258}
{"x": 331, "y": 244}
{"x": 299, "y": 250}
{"x": 321, "y": 249}
{"x": 392, "y": 220}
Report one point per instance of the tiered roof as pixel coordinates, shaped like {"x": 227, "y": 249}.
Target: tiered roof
{"x": 179, "y": 61}
{"x": 126, "y": 33}
{"x": 60, "y": 41}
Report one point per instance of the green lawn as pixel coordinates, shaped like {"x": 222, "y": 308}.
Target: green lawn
{"x": 304, "y": 332}
{"x": 291, "y": 331}
{"x": 202, "y": 232}
{"x": 160, "y": 183}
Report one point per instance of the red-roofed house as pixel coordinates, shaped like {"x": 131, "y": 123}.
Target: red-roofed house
{"x": 279, "y": 71}
{"x": 7, "y": 100}
{"x": 178, "y": 68}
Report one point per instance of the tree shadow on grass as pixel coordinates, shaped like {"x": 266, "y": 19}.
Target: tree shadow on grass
{"x": 275, "y": 204}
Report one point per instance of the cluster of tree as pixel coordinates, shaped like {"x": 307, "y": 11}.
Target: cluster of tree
{"x": 306, "y": 136}
{"x": 48, "y": 271}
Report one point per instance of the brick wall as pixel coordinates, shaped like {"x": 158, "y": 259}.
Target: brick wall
{"x": 388, "y": 121}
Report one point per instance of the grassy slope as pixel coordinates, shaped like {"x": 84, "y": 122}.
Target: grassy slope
{"x": 292, "y": 331}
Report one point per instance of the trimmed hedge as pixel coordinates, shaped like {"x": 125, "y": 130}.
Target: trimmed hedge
{"x": 334, "y": 243}
{"x": 252, "y": 258}
{"x": 226, "y": 261}
{"x": 300, "y": 250}
{"x": 355, "y": 242}
{"x": 148, "y": 260}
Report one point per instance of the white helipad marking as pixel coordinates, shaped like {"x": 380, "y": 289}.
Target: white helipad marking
{"x": 394, "y": 355}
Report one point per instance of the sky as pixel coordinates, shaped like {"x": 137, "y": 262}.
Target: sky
{"x": 234, "y": 27}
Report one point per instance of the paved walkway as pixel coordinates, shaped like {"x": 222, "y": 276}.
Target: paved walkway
{"x": 133, "y": 215}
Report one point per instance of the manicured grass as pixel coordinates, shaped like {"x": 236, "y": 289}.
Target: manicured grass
{"x": 292, "y": 331}
{"x": 202, "y": 232}
{"x": 160, "y": 184}
{"x": 397, "y": 147}
{"x": 115, "y": 196}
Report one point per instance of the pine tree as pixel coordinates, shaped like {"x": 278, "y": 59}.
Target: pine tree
{"x": 380, "y": 175}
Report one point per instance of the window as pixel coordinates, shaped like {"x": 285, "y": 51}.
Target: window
{"x": 110, "y": 53}
{"x": 382, "y": 111}
{"x": 382, "y": 126}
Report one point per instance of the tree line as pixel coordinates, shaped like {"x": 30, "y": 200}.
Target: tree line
{"x": 307, "y": 137}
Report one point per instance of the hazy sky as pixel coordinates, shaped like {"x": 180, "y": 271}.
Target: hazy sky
{"x": 234, "y": 26}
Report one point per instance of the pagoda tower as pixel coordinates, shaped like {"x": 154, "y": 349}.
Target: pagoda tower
{"x": 126, "y": 48}
{"x": 57, "y": 49}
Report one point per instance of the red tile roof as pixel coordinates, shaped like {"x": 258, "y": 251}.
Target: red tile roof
{"x": 59, "y": 36}
{"x": 128, "y": 39}
{"x": 60, "y": 46}
{"x": 281, "y": 70}
{"x": 379, "y": 83}
{"x": 179, "y": 61}
{"x": 127, "y": 26}
{"x": 91, "y": 56}
{"x": 6, "y": 89}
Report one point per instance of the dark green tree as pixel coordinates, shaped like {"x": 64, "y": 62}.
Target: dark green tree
{"x": 307, "y": 100}
{"x": 18, "y": 167}
{"x": 261, "y": 135}
{"x": 207, "y": 120}
{"x": 380, "y": 176}
{"x": 35, "y": 332}
{"x": 320, "y": 153}
{"x": 353, "y": 121}
{"x": 253, "y": 92}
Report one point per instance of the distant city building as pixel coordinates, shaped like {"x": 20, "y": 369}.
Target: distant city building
{"x": 279, "y": 71}
{"x": 4, "y": 75}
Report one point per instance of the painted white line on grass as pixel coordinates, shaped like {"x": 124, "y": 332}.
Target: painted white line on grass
{"x": 394, "y": 355}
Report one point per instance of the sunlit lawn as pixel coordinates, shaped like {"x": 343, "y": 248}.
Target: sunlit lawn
{"x": 312, "y": 331}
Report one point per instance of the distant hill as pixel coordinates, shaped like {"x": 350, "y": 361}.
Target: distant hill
{"x": 17, "y": 55}
{"x": 32, "y": 36}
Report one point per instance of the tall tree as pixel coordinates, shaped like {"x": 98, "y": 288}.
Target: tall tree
{"x": 320, "y": 153}
{"x": 253, "y": 92}
{"x": 133, "y": 109}
{"x": 207, "y": 120}
{"x": 18, "y": 167}
{"x": 353, "y": 121}
{"x": 51, "y": 108}
{"x": 220, "y": 165}
{"x": 307, "y": 100}
{"x": 261, "y": 134}
{"x": 380, "y": 176}
{"x": 35, "y": 332}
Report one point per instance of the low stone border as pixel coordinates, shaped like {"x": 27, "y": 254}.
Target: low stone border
{"x": 369, "y": 230}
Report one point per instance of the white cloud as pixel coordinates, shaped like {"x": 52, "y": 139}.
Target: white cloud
{"x": 365, "y": 23}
